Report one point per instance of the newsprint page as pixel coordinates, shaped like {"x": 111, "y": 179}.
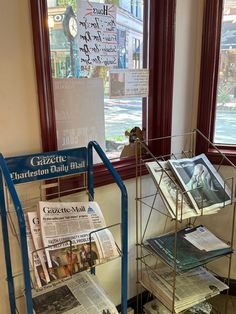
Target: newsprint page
{"x": 80, "y": 294}
{"x": 66, "y": 228}
{"x": 176, "y": 202}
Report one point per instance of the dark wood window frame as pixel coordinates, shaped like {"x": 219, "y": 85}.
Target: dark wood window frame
{"x": 161, "y": 65}
{"x": 211, "y": 36}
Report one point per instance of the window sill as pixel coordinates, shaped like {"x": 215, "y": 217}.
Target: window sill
{"x": 215, "y": 157}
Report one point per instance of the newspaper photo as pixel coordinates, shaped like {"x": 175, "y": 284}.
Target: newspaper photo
{"x": 33, "y": 257}
{"x": 79, "y": 294}
{"x": 66, "y": 229}
{"x": 205, "y": 187}
{"x": 170, "y": 190}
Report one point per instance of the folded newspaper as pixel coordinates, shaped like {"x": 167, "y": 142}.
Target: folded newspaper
{"x": 156, "y": 307}
{"x": 40, "y": 272}
{"x": 37, "y": 250}
{"x": 191, "y": 287}
{"x": 204, "y": 186}
{"x": 67, "y": 228}
{"x": 176, "y": 202}
{"x": 43, "y": 274}
{"x": 79, "y": 294}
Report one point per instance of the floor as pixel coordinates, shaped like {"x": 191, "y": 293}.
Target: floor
{"x": 223, "y": 304}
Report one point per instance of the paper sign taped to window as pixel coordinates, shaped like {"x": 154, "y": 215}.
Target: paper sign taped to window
{"x": 128, "y": 83}
{"x": 97, "y": 34}
{"x": 79, "y": 108}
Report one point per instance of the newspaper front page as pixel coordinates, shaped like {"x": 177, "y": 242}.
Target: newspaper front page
{"x": 65, "y": 232}
{"x": 80, "y": 294}
{"x": 33, "y": 258}
{"x": 177, "y": 203}
{"x": 205, "y": 188}
{"x": 34, "y": 225}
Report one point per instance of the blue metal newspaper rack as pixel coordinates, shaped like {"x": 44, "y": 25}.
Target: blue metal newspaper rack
{"x": 45, "y": 166}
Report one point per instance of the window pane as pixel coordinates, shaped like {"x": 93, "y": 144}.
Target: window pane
{"x": 119, "y": 115}
{"x": 225, "y": 127}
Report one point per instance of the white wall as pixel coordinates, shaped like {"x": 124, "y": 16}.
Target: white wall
{"x": 19, "y": 119}
{"x": 187, "y": 64}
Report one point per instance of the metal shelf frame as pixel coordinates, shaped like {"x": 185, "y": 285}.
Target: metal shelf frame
{"x": 24, "y": 164}
{"x": 186, "y": 144}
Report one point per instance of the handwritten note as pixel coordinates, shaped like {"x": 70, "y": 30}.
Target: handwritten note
{"x": 97, "y": 34}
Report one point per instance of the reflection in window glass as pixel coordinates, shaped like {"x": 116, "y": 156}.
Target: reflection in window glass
{"x": 120, "y": 115}
{"x": 225, "y": 124}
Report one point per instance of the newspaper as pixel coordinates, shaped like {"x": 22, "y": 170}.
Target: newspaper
{"x": 203, "y": 239}
{"x": 66, "y": 229}
{"x": 188, "y": 255}
{"x": 38, "y": 244}
{"x": 79, "y": 294}
{"x": 155, "y": 307}
{"x": 33, "y": 258}
{"x": 191, "y": 284}
{"x": 176, "y": 202}
{"x": 191, "y": 287}
{"x": 203, "y": 184}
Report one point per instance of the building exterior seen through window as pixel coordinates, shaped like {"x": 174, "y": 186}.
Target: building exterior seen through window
{"x": 120, "y": 115}
{"x": 225, "y": 124}
{"x": 136, "y": 53}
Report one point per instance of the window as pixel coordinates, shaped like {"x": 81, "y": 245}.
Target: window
{"x": 121, "y": 114}
{"x": 59, "y": 59}
{"x": 217, "y": 101}
{"x": 225, "y": 124}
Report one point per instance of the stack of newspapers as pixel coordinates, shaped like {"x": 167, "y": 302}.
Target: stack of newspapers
{"x": 64, "y": 239}
{"x": 191, "y": 287}
{"x": 195, "y": 246}
{"x": 190, "y": 186}
{"x": 183, "y": 282}
{"x": 156, "y": 307}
